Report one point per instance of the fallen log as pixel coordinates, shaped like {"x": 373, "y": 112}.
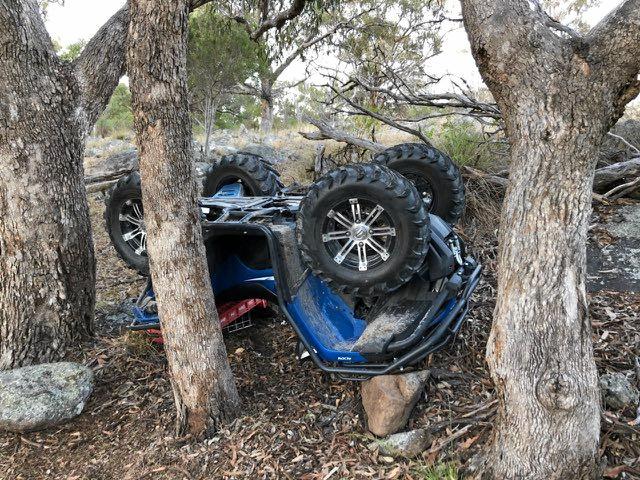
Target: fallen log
{"x": 497, "y": 180}
{"x": 622, "y": 171}
{"x": 327, "y": 132}
{"x": 605, "y": 178}
{"x": 100, "y": 175}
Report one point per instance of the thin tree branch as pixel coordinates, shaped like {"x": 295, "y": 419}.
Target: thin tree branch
{"x": 614, "y": 45}
{"x": 327, "y": 132}
{"x": 277, "y": 21}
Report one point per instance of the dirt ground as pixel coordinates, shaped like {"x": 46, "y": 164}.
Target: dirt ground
{"x": 296, "y": 422}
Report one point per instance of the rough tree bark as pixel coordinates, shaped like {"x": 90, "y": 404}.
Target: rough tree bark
{"x": 210, "y": 111}
{"x": 47, "y": 267}
{"x": 559, "y": 94}
{"x": 266, "y": 105}
{"x": 203, "y": 385}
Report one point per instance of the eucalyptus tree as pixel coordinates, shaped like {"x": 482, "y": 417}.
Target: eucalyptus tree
{"x": 280, "y": 48}
{"x": 203, "y": 386}
{"x": 220, "y": 56}
{"x": 383, "y": 75}
{"x": 47, "y": 107}
{"x": 559, "y": 92}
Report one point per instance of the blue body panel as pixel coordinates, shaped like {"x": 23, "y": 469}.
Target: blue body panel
{"x": 231, "y": 272}
{"x": 230, "y": 190}
{"x": 326, "y": 321}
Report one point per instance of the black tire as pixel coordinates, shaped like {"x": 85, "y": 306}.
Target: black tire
{"x": 368, "y": 184}
{"x": 257, "y": 176}
{"x": 123, "y": 199}
{"x": 435, "y": 175}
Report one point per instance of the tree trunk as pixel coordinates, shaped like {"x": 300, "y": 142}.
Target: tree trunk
{"x": 203, "y": 385}
{"x": 209, "y": 121}
{"x": 558, "y": 96}
{"x": 266, "y": 106}
{"x": 47, "y": 268}
{"x": 539, "y": 351}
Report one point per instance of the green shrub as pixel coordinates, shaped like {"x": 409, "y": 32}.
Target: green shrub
{"x": 464, "y": 144}
{"x": 440, "y": 471}
{"x": 117, "y": 119}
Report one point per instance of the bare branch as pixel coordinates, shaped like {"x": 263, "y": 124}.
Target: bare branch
{"x": 622, "y": 190}
{"x": 614, "y": 44}
{"x": 277, "y": 21}
{"x": 378, "y": 116}
{"x": 327, "y": 132}
{"x": 627, "y": 143}
{"x": 403, "y": 94}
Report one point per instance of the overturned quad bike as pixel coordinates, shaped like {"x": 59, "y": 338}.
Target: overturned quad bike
{"x": 365, "y": 266}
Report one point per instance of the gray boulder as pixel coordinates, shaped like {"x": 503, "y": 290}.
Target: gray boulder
{"x": 42, "y": 396}
{"x": 618, "y": 391}
{"x": 404, "y": 444}
{"x": 267, "y": 152}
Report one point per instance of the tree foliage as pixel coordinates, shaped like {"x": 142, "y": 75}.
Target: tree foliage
{"x": 117, "y": 119}
{"x": 72, "y": 51}
{"x": 220, "y": 56}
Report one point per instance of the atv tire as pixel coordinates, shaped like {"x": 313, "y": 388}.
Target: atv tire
{"x": 124, "y": 211}
{"x": 255, "y": 174}
{"x": 436, "y": 177}
{"x": 344, "y": 211}
{"x": 123, "y": 215}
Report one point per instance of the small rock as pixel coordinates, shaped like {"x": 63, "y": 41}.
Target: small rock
{"x": 618, "y": 391}
{"x": 201, "y": 168}
{"x": 389, "y": 399}
{"x": 404, "y": 444}
{"x": 42, "y": 396}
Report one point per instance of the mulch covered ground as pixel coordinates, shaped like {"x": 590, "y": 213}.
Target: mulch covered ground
{"x": 296, "y": 423}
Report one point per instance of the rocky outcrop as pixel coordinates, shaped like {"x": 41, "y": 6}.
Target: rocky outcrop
{"x": 618, "y": 392}
{"x": 613, "y": 256}
{"x": 42, "y": 396}
{"x": 389, "y": 399}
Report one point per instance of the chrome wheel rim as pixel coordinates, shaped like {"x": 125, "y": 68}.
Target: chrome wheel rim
{"x": 132, "y": 226}
{"x": 359, "y": 234}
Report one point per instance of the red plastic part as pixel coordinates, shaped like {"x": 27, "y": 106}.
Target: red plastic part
{"x": 227, "y": 313}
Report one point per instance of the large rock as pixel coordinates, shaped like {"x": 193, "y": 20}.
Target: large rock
{"x": 618, "y": 391}
{"x": 404, "y": 444}
{"x": 614, "y": 264}
{"x": 389, "y": 399}
{"x": 42, "y": 396}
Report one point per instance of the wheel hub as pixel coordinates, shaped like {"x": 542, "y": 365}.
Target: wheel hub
{"x": 134, "y": 230}
{"x": 360, "y": 233}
